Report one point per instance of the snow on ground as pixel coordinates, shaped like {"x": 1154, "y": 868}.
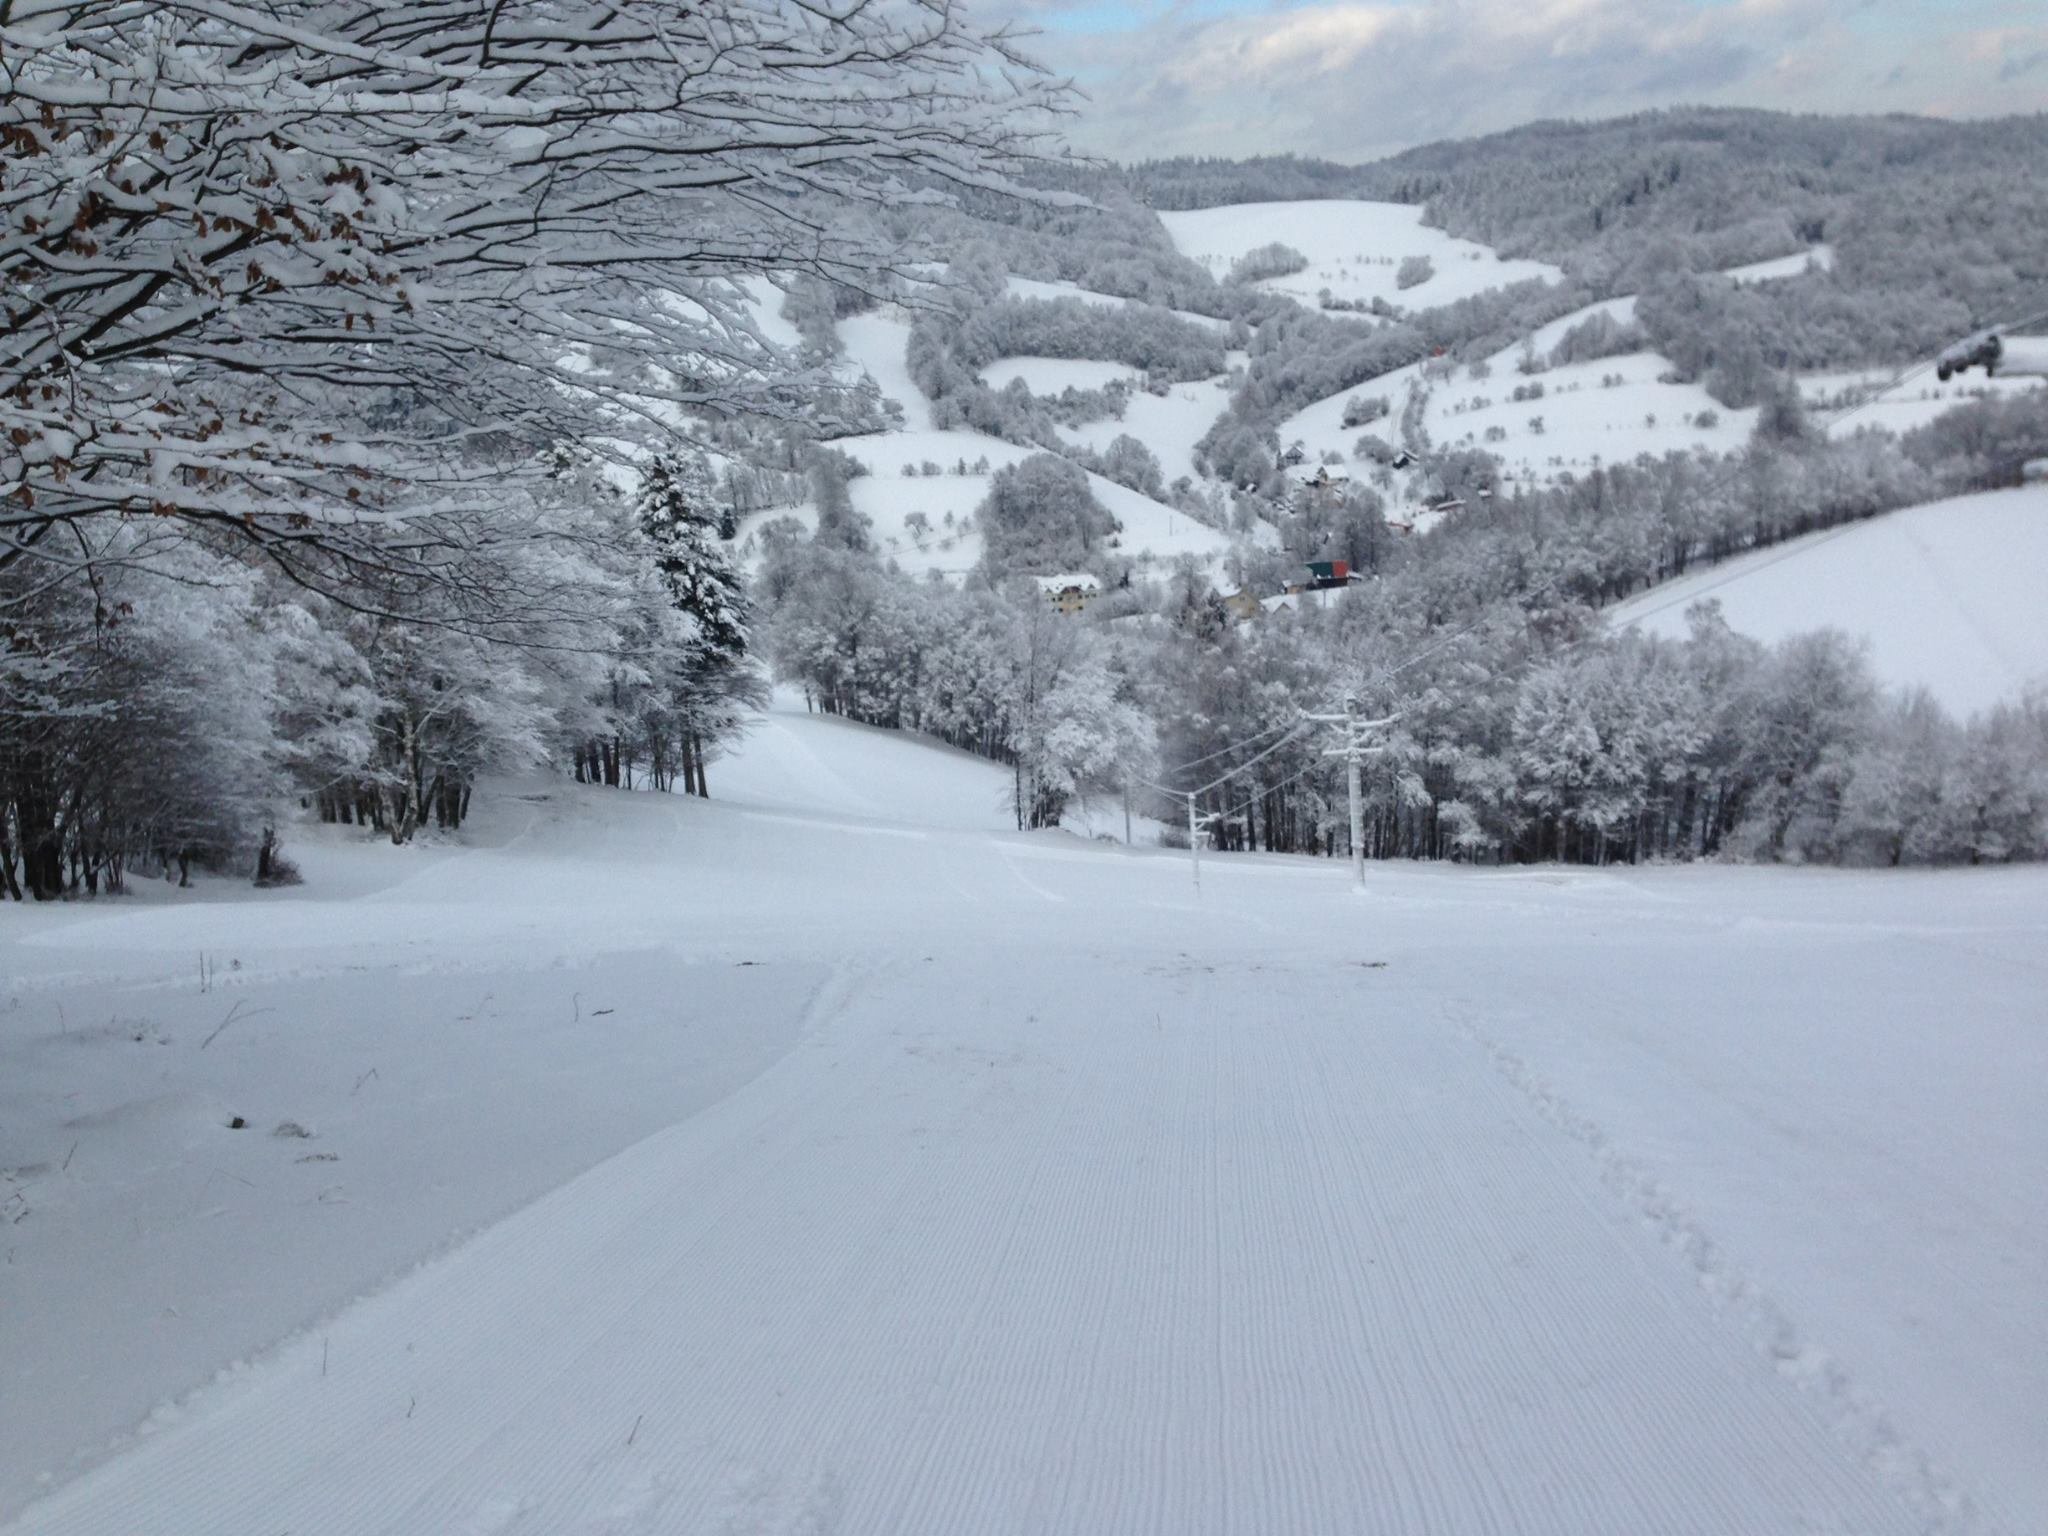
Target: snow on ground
{"x": 1354, "y": 250}
{"x": 1869, "y": 397}
{"x": 1050, "y": 375}
{"x": 1821, "y": 256}
{"x": 1170, "y": 425}
{"x": 764, "y": 304}
{"x": 1615, "y": 408}
{"x": 871, "y": 1168}
{"x": 1038, "y": 288}
{"x": 1603, "y": 412}
{"x": 875, "y": 343}
{"x": 1948, "y": 594}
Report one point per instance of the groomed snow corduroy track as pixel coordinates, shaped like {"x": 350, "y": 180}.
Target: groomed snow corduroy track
{"x": 1077, "y": 1207}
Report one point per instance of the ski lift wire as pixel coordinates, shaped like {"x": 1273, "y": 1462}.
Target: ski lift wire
{"x": 1224, "y": 751}
{"x": 1291, "y": 728}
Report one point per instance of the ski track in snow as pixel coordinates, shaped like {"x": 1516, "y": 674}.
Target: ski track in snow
{"x": 1033, "y": 1272}
{"x": 1941, "y": 1506}
{"x": 1069, "y": 1202}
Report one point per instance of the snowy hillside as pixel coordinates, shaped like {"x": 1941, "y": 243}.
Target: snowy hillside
{"x": 1819, "y": 256}
{"x": 1570, "y": 418}
{"x": 1355, "y": 249}
{"x": 1576, "y": 416}
{"x": 875, "y": 345}
{"x": 1035, "y": 288}
{"x": 823, "y": 1157}
{"x": 1948, "y": 594}
{"x": 1873, "y": 397}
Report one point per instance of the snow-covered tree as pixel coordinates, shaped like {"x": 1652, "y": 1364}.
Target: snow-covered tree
{"x": 241, "y": 293}
{"x": 709, "y": 676}
{"x": 1040, "y": 515}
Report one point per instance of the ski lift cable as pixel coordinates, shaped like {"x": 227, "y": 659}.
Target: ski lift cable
{"x": 1299, "y": 726}
{"x": 1263, "y": 790}
{"x": 1196, "y": 762}
{"x": 1293, "y": 729}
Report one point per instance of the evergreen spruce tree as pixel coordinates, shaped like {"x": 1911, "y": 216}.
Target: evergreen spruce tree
{"x": 679, "y": 513}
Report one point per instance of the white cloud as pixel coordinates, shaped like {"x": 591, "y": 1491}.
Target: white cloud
{"x": 1353, "y": 79}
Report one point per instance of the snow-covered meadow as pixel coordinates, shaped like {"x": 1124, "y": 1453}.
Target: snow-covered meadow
{"x": 875, "y": 346}
{"x": 1354, "y": 249}
{"x": 1877, "y": 397}
{"x": 1947, "y": 595}
{"x": 826, "y": 1157}
{"x": 1576, "y": 416}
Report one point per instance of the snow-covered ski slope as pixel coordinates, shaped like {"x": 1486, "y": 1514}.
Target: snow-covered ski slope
{"x": 845, "y": 1163}
{"x": 1354, "y": 248}
{"x": 1948, "y": 595}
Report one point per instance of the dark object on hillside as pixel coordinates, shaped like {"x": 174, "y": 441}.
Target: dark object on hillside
{"x": 1983, "y": 349}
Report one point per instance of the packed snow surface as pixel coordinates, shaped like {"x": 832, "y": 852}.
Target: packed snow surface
{"x": 1948, "y": 595}
{"x": 1354, "y": 248}
{"x": 829, "y": 1158}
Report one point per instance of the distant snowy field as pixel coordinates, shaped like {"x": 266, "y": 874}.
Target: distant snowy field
{"x": 875, "y": 344}
{"x": 1354, "y": 249}
{"x": 1604, "y": 412}
{"x": 1821, "y": 257}
{"x": 1614, "y": 409}
{"x": 827, "y": 1157}
{"x": 1948, "y": 594}
{"x": 1874, "y": 397}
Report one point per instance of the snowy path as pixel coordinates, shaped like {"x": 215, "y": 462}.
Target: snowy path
{"x": 1036, "y": 1268}
{"x": 1061, "y": 1202}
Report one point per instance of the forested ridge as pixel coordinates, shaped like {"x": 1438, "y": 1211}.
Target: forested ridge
{"x": 328, "y": 517}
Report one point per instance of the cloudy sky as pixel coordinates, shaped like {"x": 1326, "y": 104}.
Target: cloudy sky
{"x": 1356, "y": 79}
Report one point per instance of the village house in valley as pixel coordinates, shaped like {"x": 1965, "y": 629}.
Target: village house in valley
{"x": 1071, "y": 592}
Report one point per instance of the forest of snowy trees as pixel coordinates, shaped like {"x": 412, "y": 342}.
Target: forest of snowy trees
{"x": 334, "y": 469}
{"x": 335, "y": 474}
{"x": 1525, "y": 731}
{"x": 1936, "y": 226}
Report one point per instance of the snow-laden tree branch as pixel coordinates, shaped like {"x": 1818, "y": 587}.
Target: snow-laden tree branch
{"x": 314, "y": 273}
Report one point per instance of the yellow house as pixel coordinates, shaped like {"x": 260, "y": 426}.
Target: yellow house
{"x": 1070, "y": 593}
{"x": 1244, "y": 604}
